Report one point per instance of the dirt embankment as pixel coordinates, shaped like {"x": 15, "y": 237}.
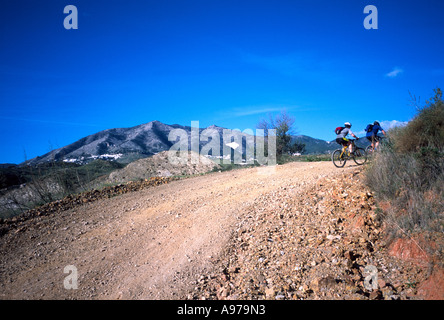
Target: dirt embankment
{"x": 159, "y": 165}
{"x": 301, "y": 230}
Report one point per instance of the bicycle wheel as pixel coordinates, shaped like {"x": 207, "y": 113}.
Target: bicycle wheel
{"x": 369, "y": 150}
{"x": 338, "y": 160}
{"x": 360, "y": 157}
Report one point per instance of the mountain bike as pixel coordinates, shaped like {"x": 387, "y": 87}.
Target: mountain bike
{"x": 369, "y": 150}
{"x": 340, "y": 156}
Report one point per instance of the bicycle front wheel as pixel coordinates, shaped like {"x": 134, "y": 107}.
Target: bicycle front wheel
{"x": 338, "y": 159}
{"x": 360, "y": 156}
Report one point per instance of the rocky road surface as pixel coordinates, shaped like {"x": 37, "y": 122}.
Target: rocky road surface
{"x": 295, "y": 231}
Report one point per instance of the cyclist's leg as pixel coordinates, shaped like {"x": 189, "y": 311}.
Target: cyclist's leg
{"x": 349, "y": 145}
{"x": 370, "y": 139}
{"x": 377, "y": 142}
{"x": 339, "y": 141}
{"x": 343, "y": 144}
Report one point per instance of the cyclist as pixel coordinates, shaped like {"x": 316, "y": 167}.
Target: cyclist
{"x": 372, "y": 134}
{"x": 341, "y": 137}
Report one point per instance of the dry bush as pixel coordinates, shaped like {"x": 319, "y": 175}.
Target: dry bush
{"x": 408, "y": 172}
{"x": 415, "y": 196}
{"x": 426, "y": 130}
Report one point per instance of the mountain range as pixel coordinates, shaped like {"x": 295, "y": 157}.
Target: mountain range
{"x": 128, "y": 144}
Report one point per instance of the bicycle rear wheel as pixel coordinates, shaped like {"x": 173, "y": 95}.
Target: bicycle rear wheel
{"x": 338, "y": 160}
{"x": 360, "y": 156}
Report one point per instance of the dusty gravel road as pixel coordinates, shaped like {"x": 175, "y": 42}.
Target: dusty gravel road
{"x": 142, "y": 245}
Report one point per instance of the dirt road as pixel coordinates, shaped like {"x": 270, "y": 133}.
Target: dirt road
{"x": 143, "y": 245}
{"x": 151, "y": 244}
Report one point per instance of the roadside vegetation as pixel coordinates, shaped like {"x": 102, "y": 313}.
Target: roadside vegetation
{"x": 25, "y": 187}
{"x": 407, "y": 176}
{"x": 283, "y": 123}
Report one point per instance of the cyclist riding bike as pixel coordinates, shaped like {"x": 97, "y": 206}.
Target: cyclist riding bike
{"x": 372, "y": 134}
{"x": 341, "y": 137}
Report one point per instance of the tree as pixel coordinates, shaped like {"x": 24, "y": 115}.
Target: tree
{"x": 283, "y": 123}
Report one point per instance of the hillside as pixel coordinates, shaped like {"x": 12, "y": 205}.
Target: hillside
{"x": 26, "y": 187}
{"x": 120, "y": 144}
{"x": 159, "y": 166}
{"x": 315, "y": 146}
{"x": 297, "y": 231}
{"x": 143, "y": 140}
{"x": 129, "y": 144}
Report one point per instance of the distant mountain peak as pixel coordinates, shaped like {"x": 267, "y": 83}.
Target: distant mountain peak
{"x": 140, "y": 141}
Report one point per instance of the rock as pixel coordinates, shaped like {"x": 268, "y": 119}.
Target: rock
{"x": 233, "y": 270}
{"x": 388, "y": 294}
{"x": 409, "y": 250}
{"x": 223, "y": 293}
{"x": 375, "y": 295}
{"x": 381, "y": 283}
{"x": 269, "y": 292}
{"x": 332, "y": 237}
{"x": 433, "y": 287}
{"x": 326, "y": 283}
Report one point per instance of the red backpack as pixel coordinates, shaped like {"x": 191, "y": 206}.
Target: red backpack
{"x": 339, "y": 129}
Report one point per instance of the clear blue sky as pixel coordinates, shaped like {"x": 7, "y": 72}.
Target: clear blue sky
{"x": 225, "y": 62}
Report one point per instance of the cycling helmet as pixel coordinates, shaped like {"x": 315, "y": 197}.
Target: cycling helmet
{"x": 376, "y": 123}
{"x": 347, "y": 124}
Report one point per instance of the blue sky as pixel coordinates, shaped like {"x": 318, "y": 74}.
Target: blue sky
{"x": 227, "y": 63}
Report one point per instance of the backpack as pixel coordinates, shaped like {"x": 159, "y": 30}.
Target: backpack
{"x": 369, "y": 128}
{"x": 339, "y": 129}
